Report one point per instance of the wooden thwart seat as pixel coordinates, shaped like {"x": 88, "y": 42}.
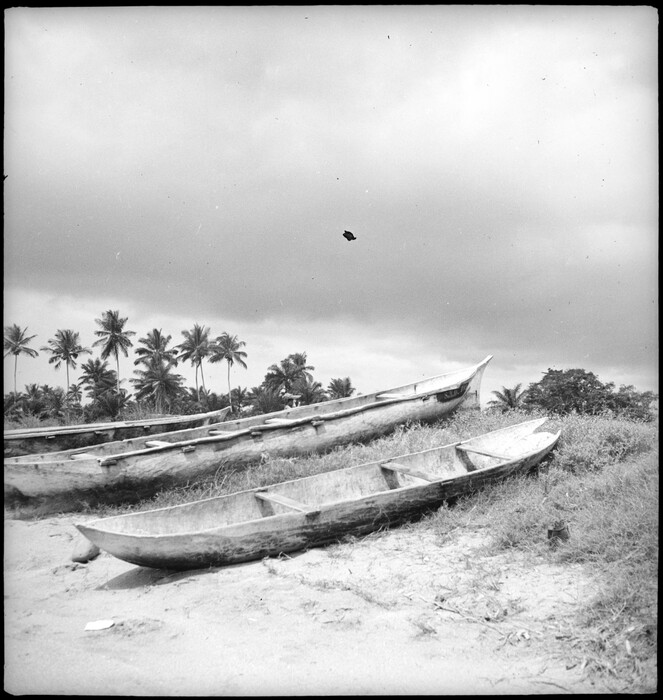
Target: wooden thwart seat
{"x": 156, "y": 443}
{"x": 481, "y": 451}
{"x": 402, "y": 469}
{"x": 283, "y": 501}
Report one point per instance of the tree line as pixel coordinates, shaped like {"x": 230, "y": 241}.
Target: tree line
{"x": 157, "y": 386}
{"x": 562, "y": 392}
{"x": 159, "y": 389}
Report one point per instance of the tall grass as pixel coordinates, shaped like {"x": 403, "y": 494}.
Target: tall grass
{"x": 589, "y": 443}
{"x": 603, "y": 482}
{"x": 29, "y": 422}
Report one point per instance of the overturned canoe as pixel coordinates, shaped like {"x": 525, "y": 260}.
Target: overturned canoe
{"x": 318, "y": 509}
{"x": 128, "y": 470}
{"x": 64, "y": 437}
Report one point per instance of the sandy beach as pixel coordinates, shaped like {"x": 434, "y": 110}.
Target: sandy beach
{"x": 399, "y": 612}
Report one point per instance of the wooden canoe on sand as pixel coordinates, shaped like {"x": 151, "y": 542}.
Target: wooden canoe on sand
{"x": 318, "y": 509}
{"x": 64, "y": 437}
{"x": 124, "y": 471}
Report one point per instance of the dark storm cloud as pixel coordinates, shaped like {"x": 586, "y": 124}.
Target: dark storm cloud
{"x": 495, "y": 165}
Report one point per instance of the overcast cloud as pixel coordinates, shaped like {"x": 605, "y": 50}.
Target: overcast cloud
{"x": 498, "y": 166}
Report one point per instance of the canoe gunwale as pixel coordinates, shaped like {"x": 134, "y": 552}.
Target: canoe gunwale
{"x": 63, "y": 430}
{"x": 276, "y": 426}
{"x": 312, "y": 511}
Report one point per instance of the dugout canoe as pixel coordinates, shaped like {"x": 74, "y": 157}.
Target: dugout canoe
{"x": 63, "y": 437}
{"x": 319, "y": 509}
{"x": 125, "y": 471}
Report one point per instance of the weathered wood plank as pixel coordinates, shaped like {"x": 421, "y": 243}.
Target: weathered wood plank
{"x": 282, "y": 500}
{"x": 481, "y": 451}
{"x": 402, "y": 469}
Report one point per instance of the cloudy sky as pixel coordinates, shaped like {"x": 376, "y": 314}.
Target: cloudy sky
{"x": 497, "y": 165}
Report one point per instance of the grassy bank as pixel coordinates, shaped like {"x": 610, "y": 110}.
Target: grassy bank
{"x": 601, "y": 480}
{"x": 603, "y": 483}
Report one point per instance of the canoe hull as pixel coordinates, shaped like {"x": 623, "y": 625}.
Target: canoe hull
{"x": 66, "y": 484}
{"x": 24, "y": 442}
{"x": 286, "y": 532}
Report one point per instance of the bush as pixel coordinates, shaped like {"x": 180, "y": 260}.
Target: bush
{"x": 579, "y": 391}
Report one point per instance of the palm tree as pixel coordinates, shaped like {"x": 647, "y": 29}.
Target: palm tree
{"x": 280, "y": 377}
{"x": 75, "y": 392}
{"x": 16, "y": 343}
{"x": 56, "y": 401}
{"x": 309, "y": 391}
{"x": 265, "y": 400}
{"x": 228, "y": 347}
{"x": 108, "y": 405}
{"x": 191, "y": 394}
{"x": 158, "y": 384}
{"x": 65, "y": 348}
{"x": 35, "y": 403}
{"x": 97, "y": 378}
{"x": 283, "y": 376}
{"x": 156, "y": 348}
{"x": 239, "y": 398}
{"x": 196, "y": 348}
{"x": 508, "y": 399}
{"x": 14, "y": 405}
{"x": 298, "y": 359}
{"x": 340, "y": 388}
{"x": 75, "y": 396}
{"x": 113, "y": 338}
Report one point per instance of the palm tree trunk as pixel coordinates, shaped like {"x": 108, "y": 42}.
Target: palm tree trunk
{"x": 117, "y": 362}
{"x": 66, "y": 395}
{"x": 15, "y": 365}
{"x": 202, "y": 376}
{"x": 230, "y": 400}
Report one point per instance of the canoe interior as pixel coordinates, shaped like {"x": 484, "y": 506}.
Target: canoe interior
{"x": 342, "y": 485}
